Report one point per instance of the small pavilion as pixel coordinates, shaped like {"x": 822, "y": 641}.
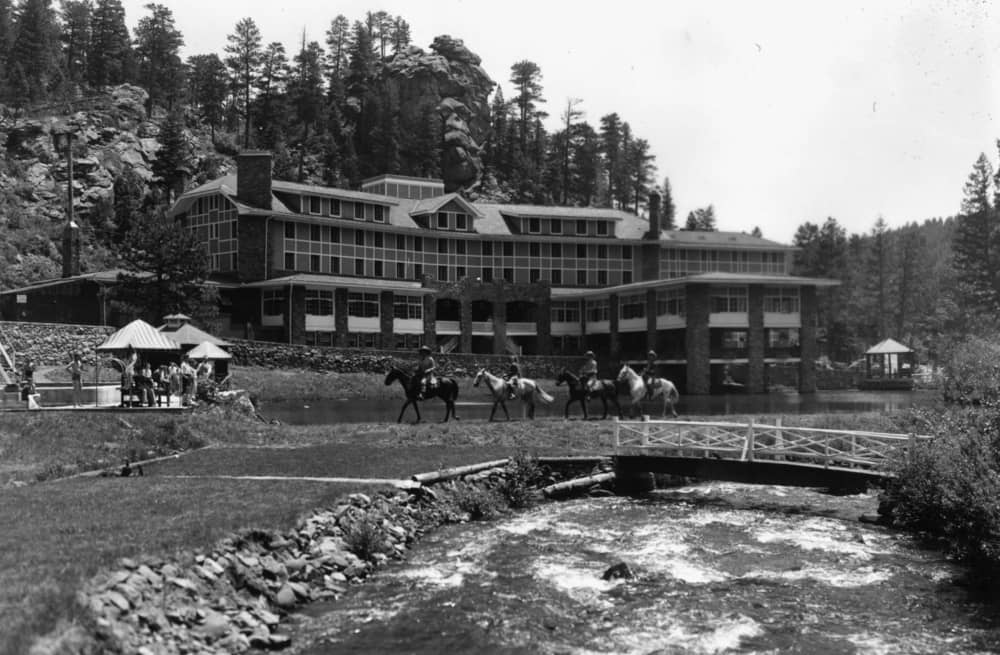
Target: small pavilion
{"x": 889, "y": 365}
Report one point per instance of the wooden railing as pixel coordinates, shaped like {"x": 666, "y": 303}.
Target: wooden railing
{"x": 749, "y": 442}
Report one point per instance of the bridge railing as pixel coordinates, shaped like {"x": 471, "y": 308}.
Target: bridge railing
{"x": 752, "y": 441}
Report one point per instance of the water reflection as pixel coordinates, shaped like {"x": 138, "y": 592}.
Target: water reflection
{"x": 473, "y": 406}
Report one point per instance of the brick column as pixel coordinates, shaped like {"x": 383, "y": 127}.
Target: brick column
{"x": 465, "y": 325}
{"x": 697, "y": 342}
{"x": 755, "y": 339}
{"x": 298, "y": 317}
{"x": 251, "y": 264}
{"x": 499, "y": 326}
{"x": 543, "y": 326}
{"x": 430, "y": 321}
{"x": 807, "y": 339}
{"x": 386, "y": 319}
{"x": 614, "y": 346}
{"x": 583, "y": 326}
{"x": 649, "y": 268}
{"x": 651, "y": 320}
{"x": 340, "y": 317}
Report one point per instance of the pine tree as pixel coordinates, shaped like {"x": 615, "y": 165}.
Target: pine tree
{"x": 207, "y": 88}
{"x": 6, "y": 31}
{"x": 157, "y": 47}
{"x": 271, "y": 103}
{"x": 668, "y": 218}
{"x": 338, "y": 44}
{"x": 400, "y": 35}
{"x": 526, "y": 77}
{"x": 306, "y": 91}
{"x": 243, "y": 60}
{"x": 171, "y": 164}
{"x": 611, "y": 148}
{"x": 110, "y": 55}
{"x": 701, "y": 220}
{"x": 76, "y": 18}
{"x": 34, "y": 56}
{"x": 975, "y": 248}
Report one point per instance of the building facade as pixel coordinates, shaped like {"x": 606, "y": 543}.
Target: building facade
{"x": 400, "y": 263}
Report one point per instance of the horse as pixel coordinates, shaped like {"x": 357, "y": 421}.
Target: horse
{"x": 446, "y": 389}
{"x": 604, "y": 389}
{"x": 637, "y": 390}
{"x": 527, "y": 391}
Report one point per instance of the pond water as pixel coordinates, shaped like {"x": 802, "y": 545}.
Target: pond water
{"x": 473, "y": 405}
{"x": 719, "y": 567}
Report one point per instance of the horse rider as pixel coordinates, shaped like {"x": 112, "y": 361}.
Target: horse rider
{"x": 424, "y": 373}
{"x": 512, "y": 377}
{"x": 648, "y": 374}
{"x": 588, "y": 372}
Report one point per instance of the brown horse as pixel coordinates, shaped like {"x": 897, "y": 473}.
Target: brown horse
{"x": 604, "y": 389}
{"x": 446, "y": 389}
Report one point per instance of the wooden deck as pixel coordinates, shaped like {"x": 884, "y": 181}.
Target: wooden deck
{"x": 762, "y": 453}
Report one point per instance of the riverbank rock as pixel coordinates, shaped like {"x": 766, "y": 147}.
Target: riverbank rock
{"x": 619, "y": 571}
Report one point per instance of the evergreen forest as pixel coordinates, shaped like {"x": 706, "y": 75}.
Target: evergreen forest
{"x": 366, "y": 101}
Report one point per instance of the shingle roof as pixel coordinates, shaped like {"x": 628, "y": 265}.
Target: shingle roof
{"x": 888, "y": 347}
{"x": 139, "y": 335}
{"x": 334, "y": 281}
{"x": 208, "y": 350}
{"x": 188, "y": 334}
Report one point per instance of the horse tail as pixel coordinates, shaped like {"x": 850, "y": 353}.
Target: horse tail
{"x": 544, "y": 397}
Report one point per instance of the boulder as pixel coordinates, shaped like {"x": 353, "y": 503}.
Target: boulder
{"x": 619, "y": 571}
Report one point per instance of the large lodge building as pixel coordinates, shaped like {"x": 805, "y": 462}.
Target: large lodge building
{"x": 401, "y": 263}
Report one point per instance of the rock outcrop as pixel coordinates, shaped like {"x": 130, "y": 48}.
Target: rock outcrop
{"x": 447, "y": 82}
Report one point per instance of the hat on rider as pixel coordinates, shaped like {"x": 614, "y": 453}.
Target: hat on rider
{"x": 425, "y": 349}
{"x": 589, "y": 353}
{"x": 651, "y": 353}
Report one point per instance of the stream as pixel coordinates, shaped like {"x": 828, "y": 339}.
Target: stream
{"x": 719, "y": 567}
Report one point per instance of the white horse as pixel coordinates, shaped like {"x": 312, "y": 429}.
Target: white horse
{"x": 526, "y": 390}
{"x": 662, "y": 387}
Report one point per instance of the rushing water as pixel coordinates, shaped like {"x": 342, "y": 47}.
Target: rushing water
{"x": 473, "y": 405}
{"x": 719, "y": 568}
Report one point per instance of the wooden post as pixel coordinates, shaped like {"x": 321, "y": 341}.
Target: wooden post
{"x": 618, "y": 433}
{"x": 779, "y": 440}
{"x": 645, "y": 430}
{"x": 747, "y": 455}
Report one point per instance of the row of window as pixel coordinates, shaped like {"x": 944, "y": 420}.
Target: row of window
{"x": 407, "y": 191}
{"x": 306, "y": 237}
{"x": 680, "y": 262}
{"x": 775, "y": 338}
{"x": 359, "y": 211}
{"x": 559, "y": 226}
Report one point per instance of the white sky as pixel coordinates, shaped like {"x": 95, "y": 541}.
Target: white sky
{"x": 775, "y": 112}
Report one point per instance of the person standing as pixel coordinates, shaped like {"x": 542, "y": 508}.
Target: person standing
{"x": 75, "y": 368}
{"x": 189, "y": 381}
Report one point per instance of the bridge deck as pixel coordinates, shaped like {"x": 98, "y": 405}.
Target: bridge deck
{"x": 762, "y": 453}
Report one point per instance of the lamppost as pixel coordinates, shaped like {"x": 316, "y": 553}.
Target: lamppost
{"x": 62, "y": 138}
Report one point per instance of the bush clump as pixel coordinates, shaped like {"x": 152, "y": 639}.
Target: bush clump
{"x": 364, "y": 536}
{"x": 519, "y": 484}
{"x": 972, "y": 372}
{"x": 477, "y": 502}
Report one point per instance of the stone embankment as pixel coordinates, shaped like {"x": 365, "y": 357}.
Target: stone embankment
{"x": 50, "y": 344}
{"x": 233, "y": 598}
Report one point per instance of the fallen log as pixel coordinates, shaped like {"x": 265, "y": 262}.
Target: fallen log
{"x": 457, "y": 471}
{"x": 576, "y": 484}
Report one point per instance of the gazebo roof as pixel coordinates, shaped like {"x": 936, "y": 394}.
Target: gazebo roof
{"x": 188, "y": 334}
{"x": 888, "y": 347}
{"x": 208, "y": 350}
{"x": 138, "y": 335}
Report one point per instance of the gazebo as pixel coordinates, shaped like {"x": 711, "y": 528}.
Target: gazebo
{"x": 219, "y": 358}
{"x": 178, "y": 327}
{"x": 149, "y": 344}
{"x": 888, "y": 365}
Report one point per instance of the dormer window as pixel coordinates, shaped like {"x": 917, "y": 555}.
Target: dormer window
{"x": 334, "y": 207}
{"x": 359, "y": 211}
{"x": 462, "y": 222}
{"x": 602, "y": 228}
{"x": 442, "y": 220}
{"x": 556, "y": 226}
{"x": 379, "y": 214}
{"x": 581, "y": 227}
{"x": 315, "y": 205}
{"x": 534, "y": 226}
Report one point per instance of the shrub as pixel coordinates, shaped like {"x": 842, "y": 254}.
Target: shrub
{"x": 519, "y": 484}
{"x": 478, "y": 502}
{"x": 364, "y": 536}
{"x": 972, "y": 372}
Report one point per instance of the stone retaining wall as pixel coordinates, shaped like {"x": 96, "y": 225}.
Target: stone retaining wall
{"x": 50, "y": 344}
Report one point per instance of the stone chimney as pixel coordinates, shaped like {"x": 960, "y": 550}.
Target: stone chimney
{"x": 654, "y": 218}
{"x": 71, "y": 249}
{"x": 253, "y": 178}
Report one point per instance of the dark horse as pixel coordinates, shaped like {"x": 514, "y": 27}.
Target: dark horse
{"x": 605, "y": 390}
{"x": 446, "y": 389}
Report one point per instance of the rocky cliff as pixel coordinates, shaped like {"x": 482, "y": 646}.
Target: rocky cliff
{"x": 113, "y": 136}
{"x": 450, "y": 81}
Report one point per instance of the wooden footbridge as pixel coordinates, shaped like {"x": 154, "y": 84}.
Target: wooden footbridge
{"x": 759, "y": 453}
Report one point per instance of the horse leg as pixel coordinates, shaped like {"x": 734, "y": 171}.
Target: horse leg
{"x": 566, "y": 410}
{"x": 583, "y": 404}
{"x": 416, "y": 408}
{"x": 405, "y": 405}
{"x": 604, "y": 401}
{"x": 503, "y": 406}
{"x": 494, "y": 410}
